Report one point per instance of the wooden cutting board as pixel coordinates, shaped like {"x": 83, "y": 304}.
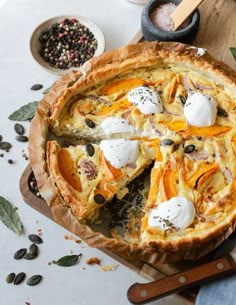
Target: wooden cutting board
{"x": 217, "y": 30}
{"x": 148, "y": 271}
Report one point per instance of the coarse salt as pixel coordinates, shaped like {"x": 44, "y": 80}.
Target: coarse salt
{"x": 161, "y": 17}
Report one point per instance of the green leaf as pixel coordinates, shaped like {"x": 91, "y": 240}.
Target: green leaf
{"x": 233, "y": 51}
{"x": 9, "y": 216}
{"x": 47, "y": 90}
{"x": 24, "y": 113}
{"x": 68, "y": 260}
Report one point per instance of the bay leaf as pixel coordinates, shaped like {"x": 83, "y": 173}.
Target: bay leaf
{"x": 9, "y": 216}
{"x": 233, "y": 51}
{"x": 25, "y": 112}
{"x": 68, "y": 260}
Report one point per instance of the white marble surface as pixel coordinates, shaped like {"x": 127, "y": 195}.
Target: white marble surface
{"x": 80, "y": 284}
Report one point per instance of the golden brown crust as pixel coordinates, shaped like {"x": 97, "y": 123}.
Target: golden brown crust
{"x": 100, "y": 69}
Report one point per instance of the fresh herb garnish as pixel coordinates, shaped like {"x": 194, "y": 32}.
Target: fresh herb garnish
{"x": 47, "y": 90}
{"x": 9, "y": 216}
{"x": 24, "y": 113}
{"x": 233, "y": 51}
{"x": 68, "y": 260}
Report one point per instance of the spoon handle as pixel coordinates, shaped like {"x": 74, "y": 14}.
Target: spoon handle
{"x": 183, "y": 11}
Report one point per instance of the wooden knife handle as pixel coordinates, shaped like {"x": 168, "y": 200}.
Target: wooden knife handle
{"x": 142, "y": 293}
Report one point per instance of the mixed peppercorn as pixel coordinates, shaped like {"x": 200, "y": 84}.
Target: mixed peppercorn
{"x": 67, "y": 44}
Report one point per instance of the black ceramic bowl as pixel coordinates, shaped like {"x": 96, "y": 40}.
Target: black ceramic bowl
{"x": 153, "y": 33}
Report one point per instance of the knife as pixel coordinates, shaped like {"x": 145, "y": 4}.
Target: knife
{"x": 142, "y": 293}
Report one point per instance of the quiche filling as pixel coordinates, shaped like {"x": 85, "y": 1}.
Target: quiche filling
{"x": 183, "y": 118}
{"x": 168, "y": 114}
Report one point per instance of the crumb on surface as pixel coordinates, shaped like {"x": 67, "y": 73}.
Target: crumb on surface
{"x": 93, "y": 261}
{"x": 70, "y": 237}
{"x": 109, "y": 267}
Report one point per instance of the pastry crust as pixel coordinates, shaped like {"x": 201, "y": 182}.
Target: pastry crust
{"x": 152, "y": 246}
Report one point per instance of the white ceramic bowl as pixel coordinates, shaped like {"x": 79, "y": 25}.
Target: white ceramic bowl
{"x": 35, "y": 43}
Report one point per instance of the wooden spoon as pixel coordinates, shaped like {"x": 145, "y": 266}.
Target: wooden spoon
{"x": 183, "y": 11}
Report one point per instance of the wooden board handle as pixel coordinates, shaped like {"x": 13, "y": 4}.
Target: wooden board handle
{"x": 142, "y": 293}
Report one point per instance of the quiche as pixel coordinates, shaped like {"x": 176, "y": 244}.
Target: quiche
{"x": 163, "y": 110}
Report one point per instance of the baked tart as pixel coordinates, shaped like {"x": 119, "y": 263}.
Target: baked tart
{"x": 165, "y": 111}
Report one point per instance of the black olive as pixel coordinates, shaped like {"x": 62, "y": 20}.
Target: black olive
{"x": 182, "y": 99}
{"x": 90, "y": 149}
{"x": 221, "y": 112}
{"x": 99, "y": 199}
{"x": 166, "y": 142}
{"x": 175, "y": 147}
{"x": 189, "y": 149}
{"x": 90, "y": 123}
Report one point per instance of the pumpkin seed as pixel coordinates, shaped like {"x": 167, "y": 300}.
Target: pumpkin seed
{"x": 34, "y": 280}
{"x": 221, "y": 112}
{"x": 5, "y": 145}
{"x": 33, "y": 249}
{"x": 36, "y": 87}
{"x": 35, "y": 239}
{"x": 90, "y": 123}
{"x": 182, "y": 99}
{"x": 90, "y": 150}
{"x": 19, "y": 278}
{"x": 189, "y": 149}
{"x": 99, "y": 199}
{"x": 20, "y": 253}
{"x": 166, "y": 142}
{"x": 22, "y": 138}
{"x": 19, "y": 129}
{"x": 30, "y": 256}
{"x": 10, "y": 278}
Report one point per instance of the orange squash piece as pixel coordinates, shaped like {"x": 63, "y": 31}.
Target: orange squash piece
{"x": 173, "y": 90}
{"x": 168, "y": 183}
{"x": 124, "y": 84}
{"x": 156, "y": 175}
{"x": 187, "y": 130}
{"x": 156, "y": 144}
{"x": 206, "y": 175}
{"x": 175, "y": 125}
{"x": 144, "y": 223}
{"x": 207, "y": 132}
{"x": 69, "y": 170}
{"x": 201, "y": 174}
{"x": 111, "y": 173}
{"x": 113, "y": 108}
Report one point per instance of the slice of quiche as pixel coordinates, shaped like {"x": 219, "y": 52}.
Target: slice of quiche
{"x": 89, "y": 175}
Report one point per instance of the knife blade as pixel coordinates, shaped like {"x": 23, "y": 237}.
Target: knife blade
{"x": 140, "y": 293}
